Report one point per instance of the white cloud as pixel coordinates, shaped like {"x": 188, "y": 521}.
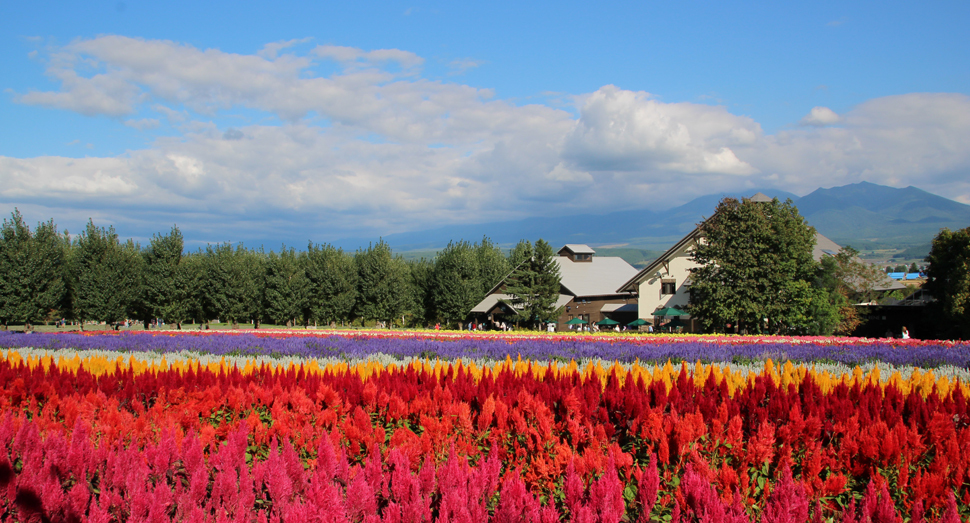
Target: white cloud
{"x": 272, "y": 50}
{"x": 59, "y": 179}
{"x": 916, "y": 139}
{"x": 99, "y": 94}
{"x": 392, "y": 151}
{"x": 820, "y": 116}
{"x": 143, "y": 124}
{"x": 561, "y": 173}
{"x": 354, "y": 55}
{"x": 630, "y": 131}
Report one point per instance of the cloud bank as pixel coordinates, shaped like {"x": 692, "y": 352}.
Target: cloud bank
{"x": 360, "y": 142}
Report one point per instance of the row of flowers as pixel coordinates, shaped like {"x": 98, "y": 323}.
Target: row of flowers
{"x": 119, "y": 439}
{"x": 637, "y": 337}
{"x": 349, "y": 344}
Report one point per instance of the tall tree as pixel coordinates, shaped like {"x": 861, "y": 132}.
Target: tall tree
{"x": 535, "y": 284}
{"x": 194, "y": 269}
{"x": 948, "y": 280}
{"x": 286, "y": 288}
{"x": 492, "y": 264}
{"x": 166, "y": 278}
{"x": 462, "y": 276}
{"x": 420, "y": 300}
{"x": 456, "y": 281}
{"x": 107, "y": 275}
{"x": 332, "y": 279}
{"x": 381, "y": 283}
{"x": 231, "y": 283}
{"x": 32, "y": 287}
{"x": 755, "y": 269}
{"x": 520, "y": 253}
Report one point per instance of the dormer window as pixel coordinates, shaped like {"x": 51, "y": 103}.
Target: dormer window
{"x": 577, "y": 252}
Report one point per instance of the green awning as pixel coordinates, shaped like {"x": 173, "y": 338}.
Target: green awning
{"x": 607, "y": 321}
{"x": 669, "y": 311}
{"x": 638, "y": 322}
{"x": 576, "y": 321}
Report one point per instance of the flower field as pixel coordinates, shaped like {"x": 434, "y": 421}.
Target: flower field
{"x": 330, "y": 426}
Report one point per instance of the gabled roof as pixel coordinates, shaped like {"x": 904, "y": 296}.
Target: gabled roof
{"x": 632, "y": 284}
{"x": 824, "y": 247}
{"x": 492, "y": 300}
{"x": 760, "y": 197}
{"x": 577, "y": 248}
{"x": 598, "y": 277}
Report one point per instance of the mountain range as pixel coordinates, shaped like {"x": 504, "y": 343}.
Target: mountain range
{"x": 864, "y": 215}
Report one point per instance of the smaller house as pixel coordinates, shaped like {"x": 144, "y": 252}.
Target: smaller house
{"x": 587, "y": 290}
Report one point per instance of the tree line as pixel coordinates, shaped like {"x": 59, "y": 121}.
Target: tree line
{"x": 94, "y": 276}
{"x": 756, "y": 274}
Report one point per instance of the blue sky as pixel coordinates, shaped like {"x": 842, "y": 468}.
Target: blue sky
{"x": 251, "y": 121}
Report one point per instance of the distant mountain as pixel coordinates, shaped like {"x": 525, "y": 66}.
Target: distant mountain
{"x": 641, "y": 229}
{"x": 868, "y": 214}
{"x": 864, "y": 215}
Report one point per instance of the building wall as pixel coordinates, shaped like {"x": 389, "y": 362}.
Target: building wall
{"x": 651, "y": 298}
{"x": 590, "y": 306}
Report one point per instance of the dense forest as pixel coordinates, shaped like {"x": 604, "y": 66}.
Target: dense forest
{"x": 94, "y": 276}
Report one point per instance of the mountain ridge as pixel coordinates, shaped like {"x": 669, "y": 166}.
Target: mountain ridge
{"x": 864, "y": 215}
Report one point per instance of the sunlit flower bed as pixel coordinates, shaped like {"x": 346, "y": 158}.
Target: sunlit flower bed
{"x": 392, "y": 427}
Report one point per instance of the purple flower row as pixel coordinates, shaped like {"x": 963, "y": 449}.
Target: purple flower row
{"x": 352, "y": 347}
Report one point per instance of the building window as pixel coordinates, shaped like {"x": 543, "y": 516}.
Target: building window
{"x": 668, "y": 287}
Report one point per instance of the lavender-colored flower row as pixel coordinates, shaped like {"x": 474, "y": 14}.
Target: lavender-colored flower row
{"x": 930, "y": 355}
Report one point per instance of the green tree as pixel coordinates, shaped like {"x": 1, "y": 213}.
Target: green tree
{"x": 755, "y": 269}
{"x": 492, "y": 264}
{"x": 193, "y": 266}
{"x": 520, "y": 253}
{"x": 286, "y": 288}
{"x": 166, "y": 279}
{"x": 420, "y": 300}
{"x": 849, "y": 280}
{"x": 948, "y": 280}
{"x": 535, "y": 284}
{"x": 381, "y": 283}
{"x": 332, "y": 284}
{"x": 232, "y": 287}
{"x": 107, "y": 275}
{"x": 913, "y": 267}
{"x": 832, "y": 278}
{"x": 456, "y": 281}
{"x": 32, "y": 288}
{"x": 462, "y": 276}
